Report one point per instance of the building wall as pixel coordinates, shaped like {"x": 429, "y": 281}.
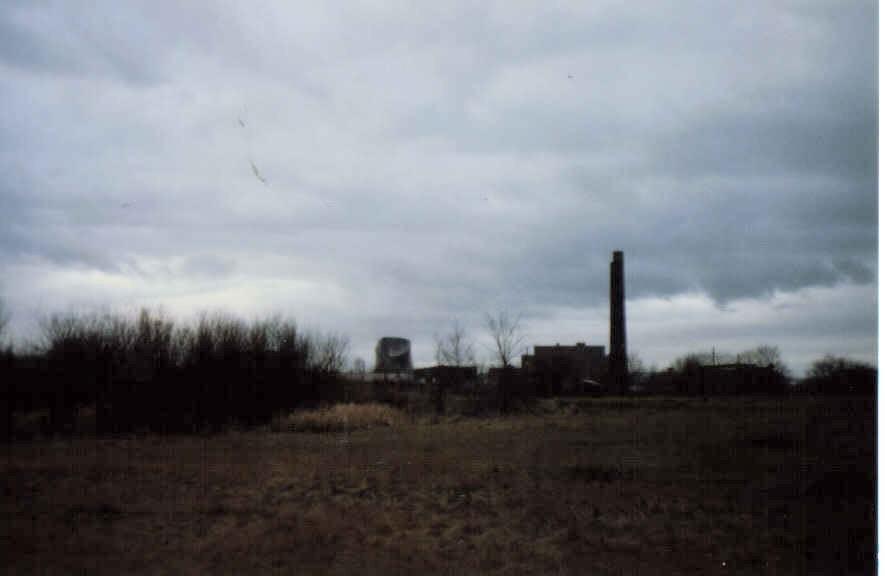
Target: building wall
{"x": 452, "y": 378}
{"x": 559, "y": 369}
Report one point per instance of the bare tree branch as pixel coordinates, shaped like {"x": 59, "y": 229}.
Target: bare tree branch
{"x": 455, "y": 348}
{"x": 764, "y": 355}
{"x": 506, "y": 332}
{"x": 328, "y": 354}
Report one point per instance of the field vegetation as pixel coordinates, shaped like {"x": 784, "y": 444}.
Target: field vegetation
{"x": 779, "y": 485}
{"x": 339, "y": 418}
{"x": 141, "y": 445}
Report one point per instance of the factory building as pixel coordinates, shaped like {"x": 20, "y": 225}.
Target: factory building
{"x": 555, "y": 370}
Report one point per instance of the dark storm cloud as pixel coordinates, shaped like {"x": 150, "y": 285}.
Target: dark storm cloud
{"x": 818, "y": 137}
{"x": 425, "y": 164}
{"x": 776, "y": 192}
{"x": 730, "y": 243}
{"x": 737, "y": 186}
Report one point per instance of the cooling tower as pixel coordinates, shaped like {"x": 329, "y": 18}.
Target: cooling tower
{"x": 617, "y": 356}
{"x": 393, "y": 355}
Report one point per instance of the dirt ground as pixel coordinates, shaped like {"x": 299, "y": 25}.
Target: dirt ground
{"x": 595, "y": 486}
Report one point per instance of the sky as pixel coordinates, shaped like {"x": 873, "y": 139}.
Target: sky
{"x": 386, "y": 169}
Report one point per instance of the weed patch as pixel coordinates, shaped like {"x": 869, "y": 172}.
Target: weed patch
{"x": 340, "y": 418}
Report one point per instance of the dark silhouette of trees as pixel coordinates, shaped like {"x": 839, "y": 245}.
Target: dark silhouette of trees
{"x": 689, "y": 362}
{"x": 836, "y": 375}
{"x": 765, "y": 356}
{"x": 758, "y": 370}
{"x": 148, "y": 373}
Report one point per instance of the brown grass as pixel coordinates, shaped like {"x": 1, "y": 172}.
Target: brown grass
{"x": 647, "y": 486}
{"x": 340, "y": 418}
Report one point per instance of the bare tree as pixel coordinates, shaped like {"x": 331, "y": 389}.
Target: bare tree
{"x": 764, "y": 355}
{"x": 506, "y": 332}
{"x": 831, "y": 366}
{"x": 455, "y": 348}
{"x": 329, "y": 353}
{"x": 690, "y": 362}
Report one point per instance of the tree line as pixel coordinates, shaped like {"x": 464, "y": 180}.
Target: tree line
{"x": 829, "y": 375}
{"x": 148, "y": 372}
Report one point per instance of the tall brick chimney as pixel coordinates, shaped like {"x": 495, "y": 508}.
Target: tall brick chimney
{"x": 617, "y": 356}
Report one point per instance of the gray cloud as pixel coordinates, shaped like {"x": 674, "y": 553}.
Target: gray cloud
{"x": 57, "y": 38}
{"x": 425, "y": 165}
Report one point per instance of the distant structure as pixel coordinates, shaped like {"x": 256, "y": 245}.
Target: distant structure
{"x": 393, "y": 355}
{"x": 617, "y": 358}
{"x": 554, "y": 370}
{"x": 722, "y": 379}
{"x": 582, "y": 369}
{"x": 719, "y": 380}
{"x": 451, "y": 378}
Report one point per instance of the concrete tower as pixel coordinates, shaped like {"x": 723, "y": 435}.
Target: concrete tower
{"x": 617, "y": 356}
{"x": 393, "y": 354}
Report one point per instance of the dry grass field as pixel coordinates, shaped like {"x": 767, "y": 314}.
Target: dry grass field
{"x": 594, "y": 486}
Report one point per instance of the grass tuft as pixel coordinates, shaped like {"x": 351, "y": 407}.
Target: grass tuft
{"x": 340, "y": 418}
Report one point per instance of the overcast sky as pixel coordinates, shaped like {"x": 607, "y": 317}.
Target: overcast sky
{"x": 385, "y": 169}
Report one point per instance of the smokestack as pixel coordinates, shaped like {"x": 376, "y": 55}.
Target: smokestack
{"x": 617, "y": 356}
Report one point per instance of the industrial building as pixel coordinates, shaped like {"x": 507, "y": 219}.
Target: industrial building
{"x": 451, "y": 378}
{"x": 549, "y": 371}
{"x": 555, "y": 370}
{"x": 582, "y": 369}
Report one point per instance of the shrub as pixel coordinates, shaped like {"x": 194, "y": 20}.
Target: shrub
{"x": 146, "y": 372}
{"x": 339, "y": 418}
{"x": 835, "y": 375}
